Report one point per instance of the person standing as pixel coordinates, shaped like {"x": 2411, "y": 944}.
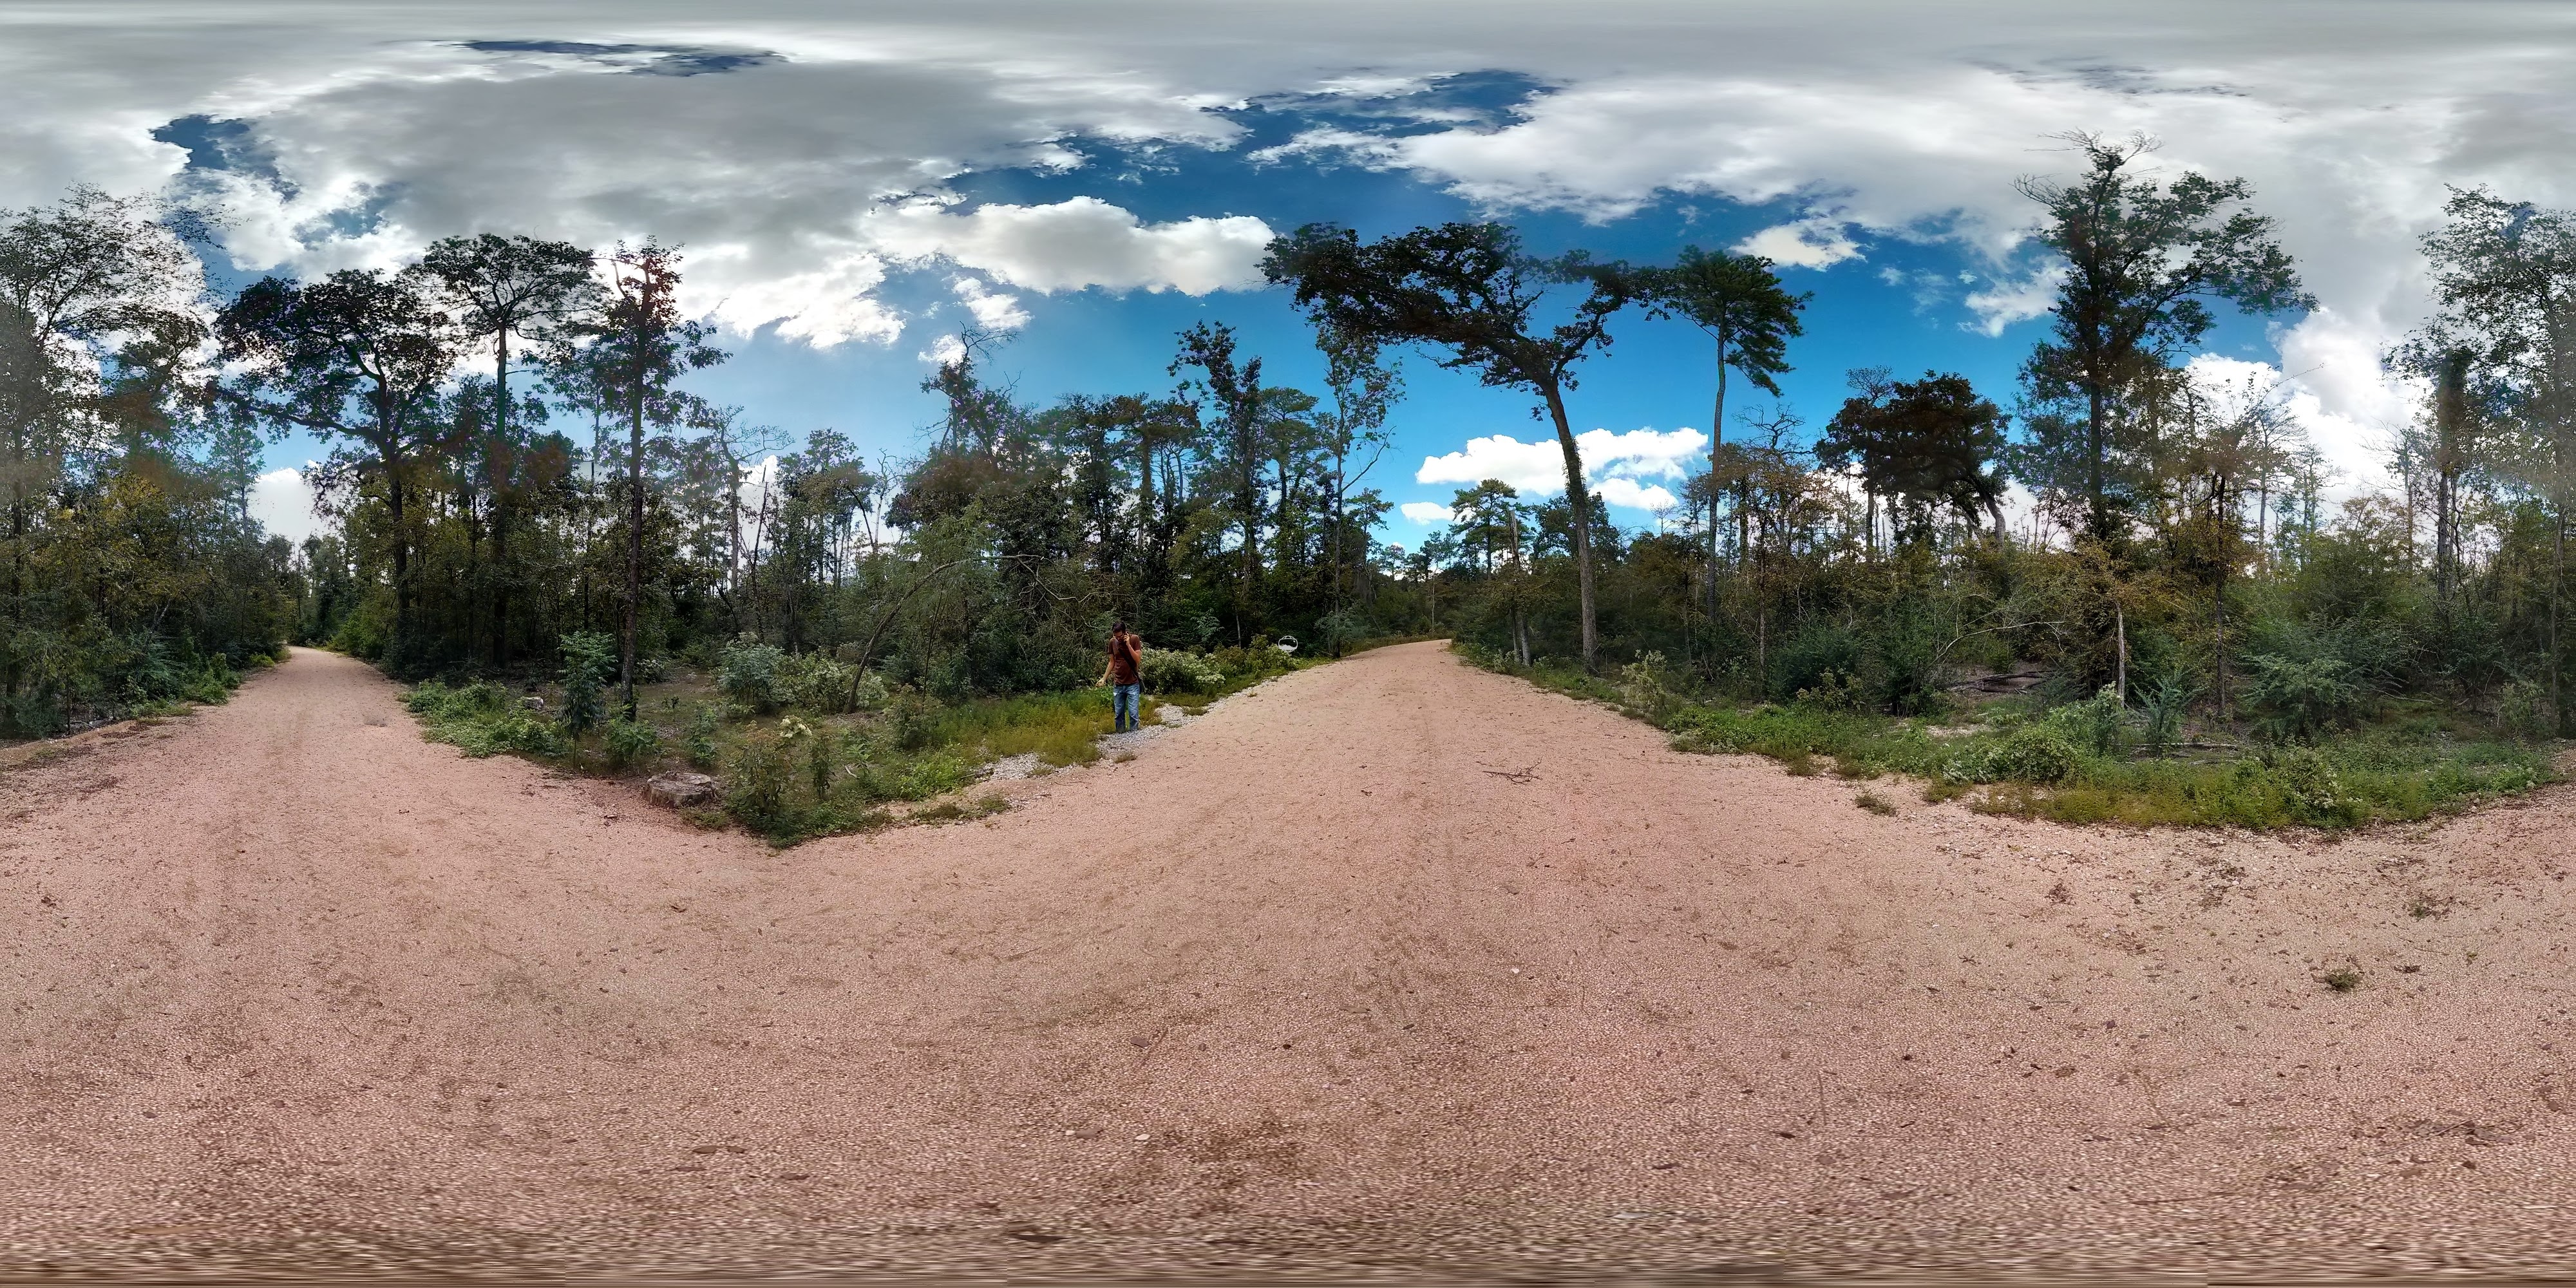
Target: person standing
{"x": 1127, "y": 694}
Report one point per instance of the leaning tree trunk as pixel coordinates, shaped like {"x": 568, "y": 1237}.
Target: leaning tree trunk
{"x": 1579, "y": 505}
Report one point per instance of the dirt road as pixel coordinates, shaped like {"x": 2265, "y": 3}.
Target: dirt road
{"x": 1390, "y": 962}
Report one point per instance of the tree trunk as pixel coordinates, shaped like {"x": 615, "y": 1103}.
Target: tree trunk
{"x": 1716, "y": 443}
{"x": 2094, "y": 411}
{"x": 634, "y": 549}
{"x": 1579, "y": 505}
{"x": 2557, "y": 590}
{"x": 500, "y": 547}
{"x": 393, "y": 458}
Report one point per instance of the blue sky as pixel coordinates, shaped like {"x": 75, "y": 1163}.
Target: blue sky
{"x": 848, "y": 178}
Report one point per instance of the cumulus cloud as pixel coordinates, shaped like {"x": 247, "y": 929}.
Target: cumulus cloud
{"x": 1427, "y": 513}
{"x": 1635, "y": 496}
{"x": 992, "y": 310}
{"x": 1806, "y": 244}
{"x": 1076, "y": 243}
{"x": 2351, "y": 424}
{"x": 282, "y": 502}
{"x": 1615, "y": 464}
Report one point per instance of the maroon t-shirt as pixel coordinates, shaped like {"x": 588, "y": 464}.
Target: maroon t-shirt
{"x": 1123, "y": 652}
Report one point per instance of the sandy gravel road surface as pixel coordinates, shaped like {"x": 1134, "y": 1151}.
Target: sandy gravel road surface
{"x": 1390, "y": 964}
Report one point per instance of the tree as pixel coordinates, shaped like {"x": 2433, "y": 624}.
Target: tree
{"x": 95, "y": 294}
{"x": 358, "y": 356}
{"x": 1736, "y": 299}
{"x": 503, "y": 288}
{"x": 630, "y": 356}
{"x": 1240, "y": 404}
{"x": 1922, "y": 444}
{"x": 1469, "y": 289}
{"x": 129, "y": 568}
{"x": 2140, "y": 260}
{"x": 1364, "y": 391}
{"x": 2504, "y": 276}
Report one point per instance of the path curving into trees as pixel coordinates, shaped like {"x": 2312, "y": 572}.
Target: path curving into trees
{"x": 1390, "y": 960}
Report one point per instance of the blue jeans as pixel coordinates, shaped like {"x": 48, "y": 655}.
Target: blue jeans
{"x": 1126, "y": 705}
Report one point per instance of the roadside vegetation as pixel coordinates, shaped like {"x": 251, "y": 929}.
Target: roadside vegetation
{"x": 805, "y": 745}
{"x": 2084, "y": 762}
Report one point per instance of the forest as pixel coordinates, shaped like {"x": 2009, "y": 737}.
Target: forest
{"x": 2115, "y": 591}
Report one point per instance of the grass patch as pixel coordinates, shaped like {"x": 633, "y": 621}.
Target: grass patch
{"x": 2342, "y": 980}
{"x": 2054, "y": 764}
{"x": 1875, "y": 803}
{"x": 962, "y": 811}
{"x": 1061, "y": 728}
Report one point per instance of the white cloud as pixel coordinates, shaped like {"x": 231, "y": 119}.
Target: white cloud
{"x": 992, "y": 310}
{"x": 1809, "y": 243}
{"x": 1635, "y": 496}
{"x": 282, "y": 502}
{"x": 1076, "y": 243}
{"x": 2352, "y": 422}
{"x": 1427, "y": 513}
{"x": 2027, "y": 295}
{"x": 1539, "y": 467}
{"x": 827, "y": 306}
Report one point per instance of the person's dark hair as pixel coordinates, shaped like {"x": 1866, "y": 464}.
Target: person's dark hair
{"x": 1119, "y": 627}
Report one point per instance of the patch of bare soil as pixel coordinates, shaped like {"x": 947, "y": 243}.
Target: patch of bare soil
{"x": 1391, "y": 963}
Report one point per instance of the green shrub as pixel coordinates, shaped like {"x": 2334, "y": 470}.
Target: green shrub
{"x": 748, "y": 674}
{"x": 813, "y": 682}
{"x": 912, "y": 721}
{"x": 762, "y": 778}
{"x": 699, "y": 746}
{"x": 589, "y": 659}
{"x": 2097, "y": 724}
{"x": 2310, "y": 788}
{"x": 1166, "y": 670}
{"x": 631, "y": 742}
{"x": 482, "y": 719}
{"x": 1821, "y": 658}
{"x": 2304, "y": 679}
{"x": 1646, "y": 687}
{"x": 2036, "y": 753}
{"x": 1244, "y": 665}
{"x": 2164, "y": 705}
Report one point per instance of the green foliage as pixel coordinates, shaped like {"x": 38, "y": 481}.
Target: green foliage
{"x": 2164, "y": 705}
{"x": 2046, "y": 765}
{"x": 748, "y": 674}
{"x": 1646, "y": 686}
{"x": 1165, "y": 670}
{"x": 589, "y": 662}
{"x": 813, "y": 682}
{"x": 760, "y": 781}
{"x": 2097, "y": 724}
{"x": 2036, "y": 753}
{"x": 631, "y": 742}
{"x": 698, "y": 745}
{"x": 482, "y": 719}
{"x": 2305, "y": 679}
